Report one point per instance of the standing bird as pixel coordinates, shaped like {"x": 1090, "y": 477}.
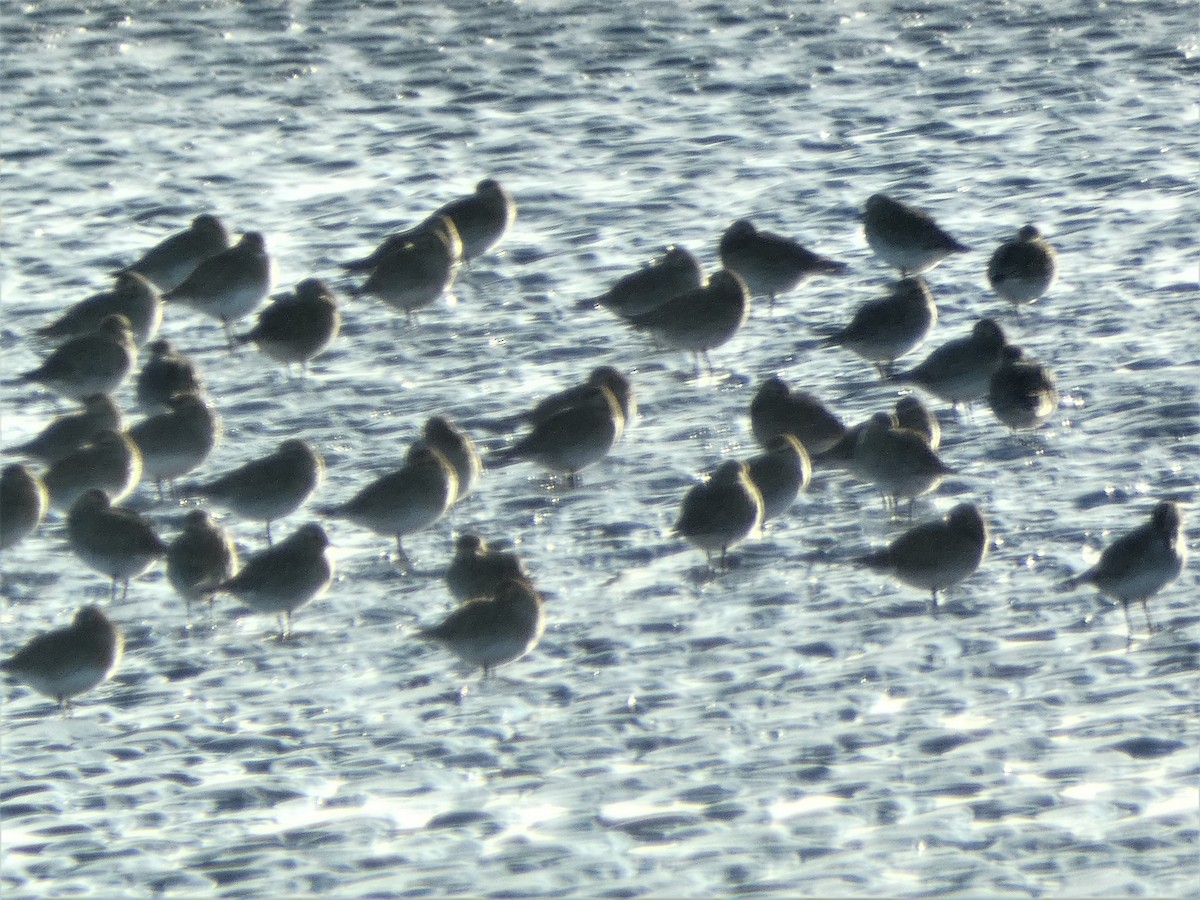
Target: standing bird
{"x": 66, "y": 662}
{"x": 1139, "y": 564}
{"x": 68, "y": 433}
{"x": 905, "y": 237}
{"x": 478, "y": 570}
{"x": 96, "y": 363}
{"x": 285, "y": 577}
{"x": 883, "y": 330}
{"x": 780, "y": 473}
{"x": 175, "y": 442}
{"x": 412, "y": 275}
{"x": 909, "y": 413}
{"x": 111, "y": 462}
{"x": 699, "y": 320}
{"x": 1023, "y": 269}
{"x": 936, "y": 555}
{"x": 200, "y": 559}
{"x": 166, "y": 373}
{"x": 769, "y": 263}
{"x": 299, "y": 326}
{"x": 1022, "y": 393}
{"x": 168, "y": 264}
{"x": 490, "y": 631}
{"x": 270, "y": 487}
{"x": 896, "y": 460}
{"x": 447, "y": 439}
{"x": 404, "y": 501}
{"x": 722, "y": 511}
{"x": 481, "y": 218}
{"x": 230, "y": 285}
{"x": 23, "y": 503}
{"x": 676, "y": 272}
{"x": 776, "y": 409}
{"x": 961, "y": 370}
{"x": 132, "y": 296}
{"x": 113, "y": 540}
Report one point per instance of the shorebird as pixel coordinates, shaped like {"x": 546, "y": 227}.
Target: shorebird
{"x": 780, "y": 473}
{"x": 166, "y": 373}
{"x": 1023, "y": 269}
{"x": 905, "y": 237}
{"x": 111, "y": 462}
{"x": 676, "y": 272}
{"x": 490, "y": 631}
{"x": 200, "y": 559}
{"x": 132, "y": 296}
{"x": 68, "y": 433}
{"x": 769, "y": 263}
{"x": 459, "y": 450}
{"x": 175, "y": 442}
{"x": 404, "y": 501}
{"x": 909, "y": 413}
{"x": 776, "y": 409}
{"x": 23, "y": 504}
{"x": 478, "y": 570}
{"x": 935, "y": 555}
{"x": 113, "y": 540}
{"x": 1022, "y": 392}
{"x": 1140, "y": 563}
{"x": 229, "y": 285}
{"x": 722, "y": 511}
{"x": 285, "y": 577}
{"x": 883, "y": 330}
{"x": 270, "y": 487}
{"x": 67, "y": 662}
{"x": 298, "y": 326}
{"x": 482, "y": 217}
{"x": 96, "y": 363}
{"x": 168, "y": 264}
{"x": 961, "y": 370}
{"x": 896, "y": 460}
{"x": 413, "y": 274}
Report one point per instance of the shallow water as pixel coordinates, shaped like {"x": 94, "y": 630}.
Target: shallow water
{"x": 791, "y": 727}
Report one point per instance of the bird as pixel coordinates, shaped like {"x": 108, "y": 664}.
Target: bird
{"x": 769, "y": 263}
{"x": 447, "y": 439}
{"x": 69, "y": 432}
{"x": 896, "y": 460}
{"x": 200, "y": 558}
{"x": 883, "y": 330}
{"x": 95, "y": 363}
{"x": 111, "y": 462}
{"x": 132, "y": 296}
{"x": 780, "y": 473}
{"x": 166, "y": 373}
{"x": 177, "y": 441}
{"x": 113, "y": 540}
{"x": 478, "y": 570}
{"x": 909, "y": 413}
{"x": 67, "y": 662}
{"x": 436, "y": 224}
{"x": 23, "y": 504}
{"x": 722, "y": 511}
{"x": 285, "y": 577}
{"x": 1024, "y": 268}
{"x": 413, "y": 275}
{"x": 699, "y": 320}
{"x": 229, "y": 285}
{"x": 168, "y": 264}
{"x": 777, "y": 409}
{"x": 960, "y": 371}
{"x": 676, "y": 272}
{"x": 1140, "y": 563}
{"x": 404, "y": 501}
{"x": 482, "y": 218}
{"x": 490, "y": 631}
{"x": 935, "y": 555}
{"x": 571, "y": 430}
{"x": 267, "y": 488}
{"x": 299, "y": 326}
{"x": 905, "y": 237}
{"x": 1022, "y": 392}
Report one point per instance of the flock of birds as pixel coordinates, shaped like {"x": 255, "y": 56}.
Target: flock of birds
{"x": 91, "y": 462}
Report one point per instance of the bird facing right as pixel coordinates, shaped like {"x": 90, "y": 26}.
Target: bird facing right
{"x": 722, "y": 511}
{"x": 66, "y": 662}
{"x": 112, "y": 540}
{"x": 490, "y": 631}
{"x": 478, "y": 570}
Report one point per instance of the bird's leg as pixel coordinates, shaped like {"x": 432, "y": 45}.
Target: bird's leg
{"x": 1146, "y": 609}
{"x": 402, "y": 559}
{"x": 268, "y": 532}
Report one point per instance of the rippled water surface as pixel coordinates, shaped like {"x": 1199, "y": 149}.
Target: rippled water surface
{"x": 791, "y": 727}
